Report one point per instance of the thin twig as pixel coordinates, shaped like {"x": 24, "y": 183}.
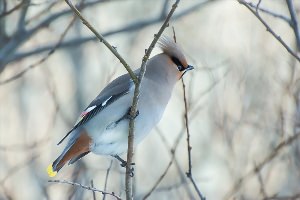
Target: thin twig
{"x": 271, "y": 13}
{"x": 277, "y": 37}
{"x": 104, "y": 41}
{"x": 189, "y": 148}
{"x": 85, "y": 187}
{"x": 133, "y": 111}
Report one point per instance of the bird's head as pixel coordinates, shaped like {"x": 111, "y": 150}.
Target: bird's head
{"x": 175, "y": 55}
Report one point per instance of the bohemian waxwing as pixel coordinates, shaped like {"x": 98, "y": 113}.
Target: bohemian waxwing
{"x": 102, "y": 127}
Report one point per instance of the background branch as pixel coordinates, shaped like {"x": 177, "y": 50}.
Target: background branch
{"x": 294, "y": 22}
{"x": 269, "y": 29}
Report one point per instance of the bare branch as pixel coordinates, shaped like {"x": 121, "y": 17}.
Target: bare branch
{"x": 104, "y": 41}
{"x": 189, "y": 148}
{"x": 133, "y": 111}
{"x": 85, "y": 187}
{"x": 271, "y": 13}
{"x": 277, "y": 37}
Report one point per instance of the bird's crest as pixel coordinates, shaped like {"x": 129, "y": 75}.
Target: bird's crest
{"x": 172, "y": 49}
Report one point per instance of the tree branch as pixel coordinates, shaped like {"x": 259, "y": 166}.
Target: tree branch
{"x": 277, "y": 37}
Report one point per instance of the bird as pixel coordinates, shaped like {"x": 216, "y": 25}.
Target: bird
{"x": 102, "y": 128}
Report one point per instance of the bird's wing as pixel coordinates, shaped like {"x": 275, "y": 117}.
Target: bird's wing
{"x": 113, "y": 91}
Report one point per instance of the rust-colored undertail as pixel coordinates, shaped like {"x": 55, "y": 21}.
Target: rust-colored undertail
{"x": 74, "y": 151}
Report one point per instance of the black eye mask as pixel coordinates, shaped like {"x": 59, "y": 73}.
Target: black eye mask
{"x": 177, "y": 62}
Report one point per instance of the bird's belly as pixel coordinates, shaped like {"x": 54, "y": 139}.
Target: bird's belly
{"x": 111, "y": 141}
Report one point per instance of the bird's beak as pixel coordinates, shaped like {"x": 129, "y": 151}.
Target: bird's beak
{"x": 189, "y": 67}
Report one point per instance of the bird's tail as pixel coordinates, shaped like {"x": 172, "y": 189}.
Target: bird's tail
{"x": 77, "y": 147}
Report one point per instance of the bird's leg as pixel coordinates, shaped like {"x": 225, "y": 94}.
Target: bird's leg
{"x": 125, "y": 164}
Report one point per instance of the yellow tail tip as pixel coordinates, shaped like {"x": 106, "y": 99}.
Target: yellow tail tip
{"x": 50, "y": 171}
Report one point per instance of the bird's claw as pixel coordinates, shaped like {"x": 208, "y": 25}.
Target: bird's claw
{"x": 129, "y": 116}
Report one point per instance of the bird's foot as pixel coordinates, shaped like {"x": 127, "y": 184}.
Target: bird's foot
{"x": 129, "y": 116}
{"x": 125, "y": 164}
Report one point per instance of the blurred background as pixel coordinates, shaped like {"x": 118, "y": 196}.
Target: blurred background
{"x": 243, "y": 98}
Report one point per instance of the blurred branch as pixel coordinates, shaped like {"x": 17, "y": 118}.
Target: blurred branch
{"x": 163, "y": 174}
{"x": 277, "y": 37}
{"x": 277, "y": 197}
{"x": 261, "y": 184}
{"x": 79, "y": 41}
{"x": 172, "y": 151}
{"x": 23, "y": 147}
{"x": 173, "y": 158}
{"x": 85, "y": 187}
{"x": 16, "y": 7}
{"x": 294, "y": 22}
{"x": 20, "y": 36}
{"x": 260, "y": 165}
{"x": 21, "y": 22}
{"x": 17, "y": 167}
{"x": 189, "y": 173}
{"x": 42, "y": 60}
{"x": 106, "y": 177}
{"x": 94, "y": 193}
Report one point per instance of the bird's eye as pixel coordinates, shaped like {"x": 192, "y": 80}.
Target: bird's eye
{"x": 180, "y": 68}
